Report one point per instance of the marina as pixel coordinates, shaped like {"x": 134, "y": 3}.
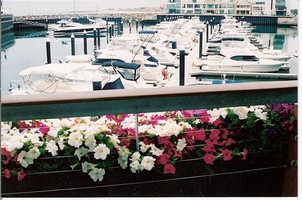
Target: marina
{"x": 61, "y": 49}
{"x": 194, "y": 103}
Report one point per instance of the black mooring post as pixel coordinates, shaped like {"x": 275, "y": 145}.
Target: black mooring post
{"x": 94, "y": 39}
{"x": 107, "y": 29}
{"x": 182, "y": 67}
{"x": 99, "y": 38}
{"x": 110, "y": 33}
{"x": 112, "y": 30}
{"x": 200, "y": 44}
{"x": 130, "y": 27}
{"x": 207, "y": 34}
{"x": 85, "y": 42}
{"x": 72, "y": 45}
{"x": 48, "y": 53}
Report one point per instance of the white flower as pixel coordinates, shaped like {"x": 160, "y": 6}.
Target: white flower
{"x": 101, "y": 152}
{"x": 61, "y": 143}
{"x": 24, "y": 159}
{"x": 241, "y": 112}
{"x": 53, "y": 132}
{"x": 90, "y": 142}
{"x": 181, "y": 144}
{"x": 114, "y": 140}
{"x": 52, "y": 148}
{"x": 86, "y": 166}
{"x": 135, "y": 156}
{"x": 27, "y": 158}
{"x": 18, "y": 141}
{"x": 82, "y": 151}
{"x": 260, "y": 114}
{"x": 123, "y": 157}
{"x": 135, "y": 166}
{"x": 143, "y": 148}
{"x": 155, "y": 151}
{"x": 75, "y": 139}
{"x": 34, "y": 153}
{"x": 35, "y": 139}
{"x": 97, "y": 174}
{"x": 148, "y": 163}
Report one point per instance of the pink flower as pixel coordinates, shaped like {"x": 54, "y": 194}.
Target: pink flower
{"x": 209, "y": 147}
{"x": 209, "y": 158}
{"x": 214, "y": 135}
{"x": 169, "y": 169}
{"x": 6, "y": 173}
{"x": 164, "y": 140}
{"x": 163, "y": 159}
{"x": 125, "y": 142}
{"x": 7, "y": 154}
{"x": 43, "y": 128}
{"x": 227, "y": 154}
{"x": 200, "y": 135}
{"x": 205, "y": 117}
{"x": 217, "y": 122}
{"x": 21, "y": 175}
{"x": 244, "y": 154}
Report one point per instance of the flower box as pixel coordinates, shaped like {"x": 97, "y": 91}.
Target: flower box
{"x": 226, "y": 152}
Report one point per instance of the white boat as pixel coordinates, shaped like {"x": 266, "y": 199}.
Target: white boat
{"x": 79, "y": 74}
{"x": 151, "y": 70}
{"x": 239, "y": 60}
{"x": 67, "y": 27}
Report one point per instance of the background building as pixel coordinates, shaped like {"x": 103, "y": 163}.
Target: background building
{"x": 230, "y": 7}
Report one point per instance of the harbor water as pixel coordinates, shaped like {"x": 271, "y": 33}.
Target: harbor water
{"x": 28, "y": 49}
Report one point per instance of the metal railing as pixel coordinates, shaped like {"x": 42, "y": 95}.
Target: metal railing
{"x": 20, "y": 107}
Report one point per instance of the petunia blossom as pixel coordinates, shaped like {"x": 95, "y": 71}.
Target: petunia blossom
{"x": 148, "y": 163}
{"x": 169, "y": 169}
{"x": 209, "y": 158}
{"x": 97, "y": 174}
{"x": 101, "y": 152}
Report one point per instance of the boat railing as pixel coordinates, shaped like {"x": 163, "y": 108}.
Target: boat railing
{"x": 58, "y": 105}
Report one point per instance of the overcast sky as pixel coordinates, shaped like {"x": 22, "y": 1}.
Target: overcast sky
{"x": 38, "y": 7}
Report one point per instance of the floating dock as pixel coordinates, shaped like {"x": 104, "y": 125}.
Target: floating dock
{"x": 279, "y": 76}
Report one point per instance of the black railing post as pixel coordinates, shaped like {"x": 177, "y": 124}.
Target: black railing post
{"x": 207, "y": 34}
{"x": 48, "y": 53}
{"x": 85, "y": 42}
{"x": 94, "y": 39}
{"x": 200, "y": 43}
{"x": 181, "y": 67}
{"x": 99, "y": 38}
{"x": 72, "y": 44}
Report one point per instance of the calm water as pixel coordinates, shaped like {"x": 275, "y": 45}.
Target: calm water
{"x": 29, "y": 49}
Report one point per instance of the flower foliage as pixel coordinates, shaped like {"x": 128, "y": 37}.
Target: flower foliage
{"x": 93, "y": 144}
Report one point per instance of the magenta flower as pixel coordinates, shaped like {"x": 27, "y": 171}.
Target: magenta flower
{"x": 209, "y": 158}
{"x": 21, "y": 175}
{"x": 169, "y": 169}
{"x": 7, "y": 154}
{"x": 163, "y": 159}
{"x": 6, "y": 173}
{"x": 227, "y": 154}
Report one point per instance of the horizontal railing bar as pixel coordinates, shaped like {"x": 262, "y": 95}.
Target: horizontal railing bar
{"x": 146, "y": 182}
{"x": 59, "y": 105}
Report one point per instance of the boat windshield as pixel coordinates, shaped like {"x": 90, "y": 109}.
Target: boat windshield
{"x": 245, "y": 58}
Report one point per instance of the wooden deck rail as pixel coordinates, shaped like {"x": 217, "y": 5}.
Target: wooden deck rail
{"x": 25, "y": 107}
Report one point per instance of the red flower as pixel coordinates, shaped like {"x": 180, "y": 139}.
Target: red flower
{"x": 7, "y": 154}
{"x": 21, "y": 175}
{"x": 163, "y": 159}
{"x": 209, "y": 147}
{"x": 200, "y": 135}
{"x": 227, "y": 154}
{"x": 209, "y": 158}
{"x": 169, "y": 169}
{"x": 205, "y": 117}
{"x": 214, "y": 135}
{"x": 164, "y": 140}
{"x": 43, "y": 128}
{"x": 244, "y": 154}
{"x": 6, "y": 173}
{"x": 125, "y": 142}
{"x": 217, "y": 122}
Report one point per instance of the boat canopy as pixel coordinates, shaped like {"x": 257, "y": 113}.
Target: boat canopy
{"x": 56, "y": 69}
{"x": 147, "y": 32}
{"x": 125, "y": 65}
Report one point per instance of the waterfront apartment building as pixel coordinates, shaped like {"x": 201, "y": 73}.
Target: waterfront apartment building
{"x": 230, "y": 7}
